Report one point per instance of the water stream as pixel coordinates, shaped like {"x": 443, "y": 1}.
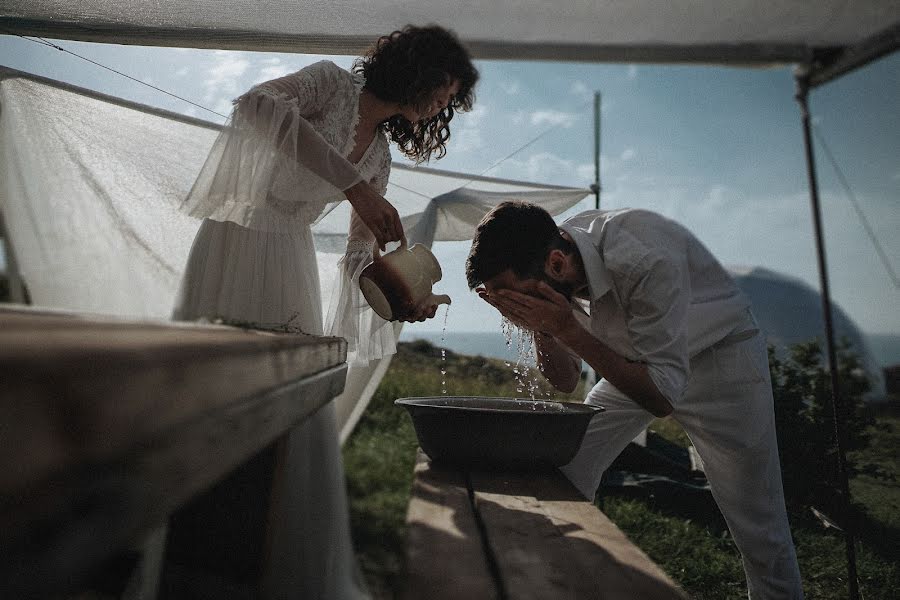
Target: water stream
{"x": 444, "y": 354}
{"x": 525, "y": 368}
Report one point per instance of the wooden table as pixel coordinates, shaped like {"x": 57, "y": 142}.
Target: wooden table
{"x": 108, "y": 426}
{"x": 479, "y": 534}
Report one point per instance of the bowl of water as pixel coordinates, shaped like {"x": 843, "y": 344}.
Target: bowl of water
{"x": 502, "y": 432}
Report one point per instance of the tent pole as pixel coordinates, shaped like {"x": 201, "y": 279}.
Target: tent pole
{"x": 837, "y": 64}
{"x": 596, "y": 185}
{"x": 591, "y": 374}
{"x": 14, "y": 278}
{"x": 801, "y": 76}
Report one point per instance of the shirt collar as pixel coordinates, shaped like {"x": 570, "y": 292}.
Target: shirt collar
{"x": 595, "y": 270}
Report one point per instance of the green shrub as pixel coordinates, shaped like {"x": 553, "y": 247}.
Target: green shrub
{"x": 804, "y": 417}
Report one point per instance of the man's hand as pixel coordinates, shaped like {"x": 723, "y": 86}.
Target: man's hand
{"x": 544, "y": 310}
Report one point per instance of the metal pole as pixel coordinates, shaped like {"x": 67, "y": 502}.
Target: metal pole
{"x": 802, "y": 79}
{"x": 591, "y": 375}
{"x": 596, "y": 185}
{"x": 17, "y": 293}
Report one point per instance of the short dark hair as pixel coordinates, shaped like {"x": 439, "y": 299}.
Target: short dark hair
{"x": 514, "y": 235}
{"x": 407, "y": 67}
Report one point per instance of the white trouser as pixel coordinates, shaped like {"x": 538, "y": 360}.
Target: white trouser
{"x": 727, "y": 411}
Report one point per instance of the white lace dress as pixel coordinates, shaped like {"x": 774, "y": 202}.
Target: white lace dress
{"x": 276, "y": 167}
{"x": 280, "y": 164}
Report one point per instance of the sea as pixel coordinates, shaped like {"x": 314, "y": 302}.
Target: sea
{"x": 885, "y": 348}
{"x": 485, "y": 343}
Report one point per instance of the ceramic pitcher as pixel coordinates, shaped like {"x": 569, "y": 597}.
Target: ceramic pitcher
{"x": 394, "y": 284}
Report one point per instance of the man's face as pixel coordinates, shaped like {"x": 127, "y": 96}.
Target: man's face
{"x": 508, "y": 280}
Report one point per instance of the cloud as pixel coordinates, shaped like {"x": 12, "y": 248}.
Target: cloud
{"x": 546, "y": 167}
{"x": 275, "y": 71}
{"x": 553, "y": 117}
{"x": 581, "y": 91}
{"x": 225, "y": 77}
{"x": 273, "y": 68}
{"x": 510, "y": 87}
{"x": 585, "y": 172}
{"x": 222, "y": 106}
{"x": 466, "y": 130}
{"x": 181, "y": 72}
{"x": 632, "y": 72}
{"x": 628, "y": 154}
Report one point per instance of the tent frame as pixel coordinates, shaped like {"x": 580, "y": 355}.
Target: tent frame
{"x": 809, "y": 75}
{"x": 817, "y": 66}
{"x": 835, "y": 60}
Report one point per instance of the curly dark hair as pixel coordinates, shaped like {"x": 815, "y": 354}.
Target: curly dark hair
{"x": 407, "y": 67}
{"x": 513, "y": 235}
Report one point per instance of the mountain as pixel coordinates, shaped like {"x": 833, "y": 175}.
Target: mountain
{"x": 789, "y": 311}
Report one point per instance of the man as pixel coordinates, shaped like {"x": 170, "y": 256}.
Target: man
{"x": 645, "y": 304}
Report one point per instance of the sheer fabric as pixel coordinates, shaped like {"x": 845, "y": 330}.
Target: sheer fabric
{"x": 738, "y": 32}
{"x": 369, "y": 337}
{"x": 253, "y": 276}
{"x": 270, "y": 173}
{"x": 96, "y": 222}
{"x": 276, "y": 167}
{"x": 282, "y": 156}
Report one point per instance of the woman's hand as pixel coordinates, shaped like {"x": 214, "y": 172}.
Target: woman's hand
{"x": 544, "y": 310}
{"x": 378, "y": 214}
{"x": 423, "y": 311}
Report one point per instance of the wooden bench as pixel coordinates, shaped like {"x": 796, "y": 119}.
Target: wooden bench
{"x": 110, "y": 426}
{"x": 479, "y": 534}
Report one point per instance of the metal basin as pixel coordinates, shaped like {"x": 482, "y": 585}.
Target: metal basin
{"x": 507, "y": 432}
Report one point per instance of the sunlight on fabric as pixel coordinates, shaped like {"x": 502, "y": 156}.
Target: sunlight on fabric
{"x": 90, "y": 196}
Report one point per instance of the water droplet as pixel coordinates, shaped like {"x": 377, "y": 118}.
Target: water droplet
{"x": 444, "y": 353}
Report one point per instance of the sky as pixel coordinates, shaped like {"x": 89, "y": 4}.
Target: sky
{"x": 717, "y": 149}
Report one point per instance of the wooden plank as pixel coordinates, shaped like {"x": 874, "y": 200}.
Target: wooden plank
{"x": 445, "y": 558}
{"x": 549, "y": 543}
{"x": 76, "y": 390}
{"x": 62, "y": 527}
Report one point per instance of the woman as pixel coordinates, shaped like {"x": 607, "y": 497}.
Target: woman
{"x": 293, "y": 147}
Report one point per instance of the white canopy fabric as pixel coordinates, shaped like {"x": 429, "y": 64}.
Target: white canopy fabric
{"x": 733, "y": 31}
{"x": 90, "y": 197}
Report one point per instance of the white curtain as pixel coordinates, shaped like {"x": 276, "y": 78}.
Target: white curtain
{"x": 89, "y": 189}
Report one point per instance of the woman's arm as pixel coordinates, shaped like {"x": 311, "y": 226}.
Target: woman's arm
{"x": 276, "y": 110}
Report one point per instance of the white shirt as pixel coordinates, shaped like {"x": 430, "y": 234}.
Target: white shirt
{"x": 657, "y": 295}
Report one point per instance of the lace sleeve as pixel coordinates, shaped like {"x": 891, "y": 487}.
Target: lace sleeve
{"x": 379, "y": 181}
{"x": 277, "y": 109}
{"x": 309, "y": 89}
{"x": 369, "y": 337}
{"x": 269, "y": 150}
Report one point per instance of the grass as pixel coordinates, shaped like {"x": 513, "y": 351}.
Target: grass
{"x": 690, "y": 543}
